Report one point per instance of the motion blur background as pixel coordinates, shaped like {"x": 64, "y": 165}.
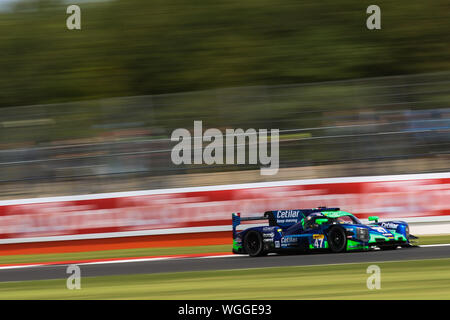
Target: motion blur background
{"x": 92, "y": 110}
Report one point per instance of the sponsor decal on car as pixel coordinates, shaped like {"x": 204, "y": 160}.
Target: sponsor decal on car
{"x": 283, "y": 214}
{"x": 288, "y": 240}
{"x": 389, "y": 225}
{"x": 318, "y": 236}
{"x": 380, "y": 229}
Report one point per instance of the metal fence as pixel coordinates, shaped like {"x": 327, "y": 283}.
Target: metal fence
{"x": 124, "y": 139}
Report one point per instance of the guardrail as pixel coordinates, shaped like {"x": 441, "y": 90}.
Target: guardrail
{"x": 95, "y": 146}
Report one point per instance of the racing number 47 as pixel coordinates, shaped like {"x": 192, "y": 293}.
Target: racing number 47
{"x": 318, "y": 243}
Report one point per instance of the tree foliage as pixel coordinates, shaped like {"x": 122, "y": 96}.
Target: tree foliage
{"x": 138, "y": 47}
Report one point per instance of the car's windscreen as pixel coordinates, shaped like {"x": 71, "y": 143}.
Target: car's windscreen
{"x": 347, "y": 219}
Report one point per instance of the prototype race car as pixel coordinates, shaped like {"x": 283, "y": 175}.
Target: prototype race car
{"x": 317, "y": 229}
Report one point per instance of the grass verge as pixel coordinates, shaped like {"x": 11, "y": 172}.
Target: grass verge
{"x": 443, "y": 238}
{"x": 140, "y": 252}
{"x": 418, "y": 279}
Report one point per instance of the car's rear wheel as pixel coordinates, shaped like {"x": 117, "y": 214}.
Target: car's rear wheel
{"x": 253, "y": 244}
{"x": 337, "y": 239}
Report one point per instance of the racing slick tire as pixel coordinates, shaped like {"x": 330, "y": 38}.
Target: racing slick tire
{"x": 253, "y": 244}
{"x": 337, "y": 239}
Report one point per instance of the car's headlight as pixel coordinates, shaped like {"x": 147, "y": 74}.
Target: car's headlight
{"x": 407, "y": 231}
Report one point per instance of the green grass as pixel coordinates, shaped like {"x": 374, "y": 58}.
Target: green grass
{"x": 419, "y": 279}
{"x": 444, "y": 238}
{"x": 142, "y": 252}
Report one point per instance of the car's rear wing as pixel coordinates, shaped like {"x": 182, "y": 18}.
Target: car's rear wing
{"x": 236, "y": 219}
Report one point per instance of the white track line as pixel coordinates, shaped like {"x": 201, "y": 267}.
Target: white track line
{"x": 435, "y": 245}
{"x": 212, "y": 257}
{"x": 161, "y": 259}
{"x": 21, "y": 266}
{"x": 123, "y": 261}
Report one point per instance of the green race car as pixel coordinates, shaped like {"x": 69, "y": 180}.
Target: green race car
{"x": 317, "y": 229}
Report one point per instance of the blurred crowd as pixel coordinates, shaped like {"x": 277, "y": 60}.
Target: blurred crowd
{"x": 125, "y": 144}
{"x": 92, "y": 110}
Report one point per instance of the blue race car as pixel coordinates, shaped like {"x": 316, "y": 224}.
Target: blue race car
{"x": 317, "y": 229}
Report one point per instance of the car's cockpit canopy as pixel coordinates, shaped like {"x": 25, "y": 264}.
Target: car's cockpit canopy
{"x": 336, "y": 217}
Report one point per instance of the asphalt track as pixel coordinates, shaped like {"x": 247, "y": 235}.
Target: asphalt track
{"x": 223, "y": 263}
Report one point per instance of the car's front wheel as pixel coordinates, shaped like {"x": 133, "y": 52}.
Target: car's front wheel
{"x": 253, "y": 244}
{"x": 337, "y": 239}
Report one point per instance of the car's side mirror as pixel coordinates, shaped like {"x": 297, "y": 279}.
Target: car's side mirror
{"x": 373, "y": 218}
{"x": 321, "y": 221}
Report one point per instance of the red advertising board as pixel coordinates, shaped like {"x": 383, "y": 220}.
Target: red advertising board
{"x": 387, "y": 197}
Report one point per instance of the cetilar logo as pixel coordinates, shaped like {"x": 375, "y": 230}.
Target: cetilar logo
{"x": 288, "y": 240}
{"x": 287, "y": 214}
{"x": 389, "y": 225}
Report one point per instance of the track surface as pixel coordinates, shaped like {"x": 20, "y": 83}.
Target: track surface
{"x": 222, "y": 263}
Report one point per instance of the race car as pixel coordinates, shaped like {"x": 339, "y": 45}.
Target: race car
{"x": 317, "y": 229}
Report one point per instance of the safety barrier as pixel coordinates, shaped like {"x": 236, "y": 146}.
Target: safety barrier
{"x": 423, "y": 200}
